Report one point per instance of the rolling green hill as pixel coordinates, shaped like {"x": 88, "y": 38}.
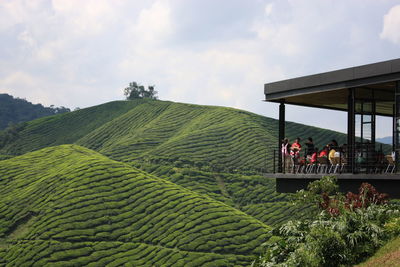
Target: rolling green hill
{"x": 69, "y": 205}
{"x": 169, "y": 139}
{"x": 168, "y": 133}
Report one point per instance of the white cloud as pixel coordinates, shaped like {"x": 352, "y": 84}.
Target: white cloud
{"x": 22, "y": 78}
{"x": 391, "y": 25}
{"x": 87, "y": 17}
{"x": 81, "y": 53}
{"x": 268, "y": 8}
{"x": 27, "y": 37}
{"x": 154, "y": 24}
{"x": 12, "y": 13}
{"x": 19, "y": 84}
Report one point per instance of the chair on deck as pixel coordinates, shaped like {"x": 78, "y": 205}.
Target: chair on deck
{"x": 300, "y": 165}
{"x": 342, "y": 163}
{"x": 334, "y": 164}
{"x": 310, "y": 166}
{"x": 391, "y": 165}
{"x": 337, "y": 164}
{"x": 323, "y": 164}
{"x": 380, "y": 163}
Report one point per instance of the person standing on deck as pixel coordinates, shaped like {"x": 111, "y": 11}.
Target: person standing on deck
{"x": 286, "y": 160}
{"x": 295, "y": 151}
{"x": 309, "y": 149}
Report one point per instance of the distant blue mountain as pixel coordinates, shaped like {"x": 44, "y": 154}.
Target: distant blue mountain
{"x": 385, "y": 140}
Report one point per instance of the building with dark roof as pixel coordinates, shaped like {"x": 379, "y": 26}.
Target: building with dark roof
{"x": 363, "y": 92}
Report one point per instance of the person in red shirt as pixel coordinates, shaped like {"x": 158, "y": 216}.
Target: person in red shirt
{"x": 324, "y": 152}
{"x": 296, "y": 147}
{"x": 295, "y": 151}
{"x": 314, "y": 156}
{"x": 312, "y": 160}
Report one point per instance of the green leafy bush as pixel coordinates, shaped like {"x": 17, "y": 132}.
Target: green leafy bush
{"x": 333, "y": 238}
{"x": 393, "y": 226}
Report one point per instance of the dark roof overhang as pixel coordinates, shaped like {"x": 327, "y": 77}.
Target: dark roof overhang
{"x": 329, "y": 90}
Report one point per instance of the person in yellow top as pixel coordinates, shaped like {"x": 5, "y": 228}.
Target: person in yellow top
{"x": 331, "y": 154}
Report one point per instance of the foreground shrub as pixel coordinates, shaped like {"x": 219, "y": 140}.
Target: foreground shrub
{"x": 324, "y": 193}
{"x": 346, "y": 231}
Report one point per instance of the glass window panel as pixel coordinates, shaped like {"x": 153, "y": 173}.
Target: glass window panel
{"x": 367, "y": 119}
{"x": 358, "y": 125}
{"x": 367, "y": 132}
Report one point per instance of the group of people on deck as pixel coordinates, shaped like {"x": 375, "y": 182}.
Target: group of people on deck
{"x": 291, "y": 152}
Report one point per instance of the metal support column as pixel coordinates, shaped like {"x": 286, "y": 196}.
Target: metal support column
{"x": 281, "y": 134}
{"x": 351, "y": 129}
{"x": 397, "y": 126}
{"x": 394, "y": 128}
{"x": 373, "y": 120}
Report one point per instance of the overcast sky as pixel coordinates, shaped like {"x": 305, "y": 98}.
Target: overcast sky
{"x": 213, "y": 52}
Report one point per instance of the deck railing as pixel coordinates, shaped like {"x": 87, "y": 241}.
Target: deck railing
{"x": 358, "y": 159}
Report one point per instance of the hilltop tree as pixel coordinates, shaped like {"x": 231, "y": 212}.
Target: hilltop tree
{"x": 136, "y": 90}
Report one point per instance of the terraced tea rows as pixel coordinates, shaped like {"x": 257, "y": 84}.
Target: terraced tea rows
{"x": 254, "y": 195}
{"x": 275, "y": 213}
{"x": 224, "y": 139}
{"x": 239, "y": 189}
{"x": 54, "y": 253}
{"x": 87, "y": 204}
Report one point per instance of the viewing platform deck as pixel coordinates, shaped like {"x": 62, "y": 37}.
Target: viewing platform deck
{"x": 348, "y": 182}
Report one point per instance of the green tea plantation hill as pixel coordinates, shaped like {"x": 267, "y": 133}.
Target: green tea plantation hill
{"x": 68, "y": 205}
{"x": 166, "y": 132}
{"x": 209, "y": 150}
{"x": 143, "y": 182}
